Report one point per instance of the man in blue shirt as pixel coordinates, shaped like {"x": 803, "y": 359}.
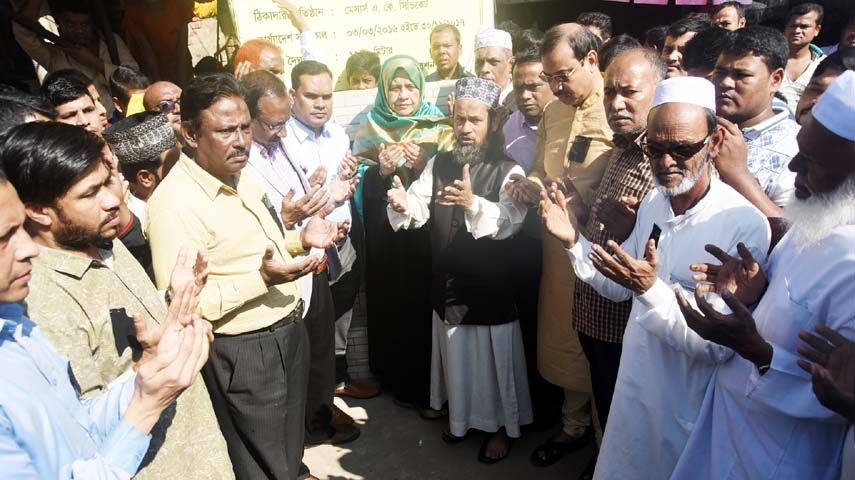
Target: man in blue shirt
{"x": 45, "y": 430}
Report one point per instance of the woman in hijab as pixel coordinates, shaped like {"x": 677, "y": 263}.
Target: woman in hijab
{"x": 398, "y": 137}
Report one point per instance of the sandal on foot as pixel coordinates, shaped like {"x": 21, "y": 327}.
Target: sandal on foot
{"x": 451, "y": 439}
{"x": 551, "y": 451}
{"x": 482, "y": 453}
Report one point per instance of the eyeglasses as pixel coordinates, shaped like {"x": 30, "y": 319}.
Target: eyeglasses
{"x": 559, "y": 77}
{"x": 273, "y": 127}
{"x": 677, "y": 152}
{"x": 168, "y": 106}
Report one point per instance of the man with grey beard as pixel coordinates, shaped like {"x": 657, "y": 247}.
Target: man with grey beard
{"x": 659, "y": 389}
{"x": 478, "y": 363}
{"x": 760, "y": 415}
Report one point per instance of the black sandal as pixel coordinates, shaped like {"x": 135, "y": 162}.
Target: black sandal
{"x": 551, "y": 451}
{"x": 482, "y": 453}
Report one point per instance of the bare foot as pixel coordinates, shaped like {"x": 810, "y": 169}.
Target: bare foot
{"x": 498, "y": 446}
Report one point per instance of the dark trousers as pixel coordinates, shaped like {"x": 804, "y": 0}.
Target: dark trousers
{"x": 320, "y": 326}
{"x": 257, "y": 384}
{"x": 603, "y": 362}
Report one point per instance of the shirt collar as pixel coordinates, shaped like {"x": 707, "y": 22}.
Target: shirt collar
{"x": 11, "y": 314}
{"x": 209, "y": 184}
{"x": 303, "y": 133}
{"x": 625, "y": 143}
{"x": 707, "y": 200}
{"x": 67, "y": 263}
{"x": 522, "y": 122}
{"x": 755, "y": 131}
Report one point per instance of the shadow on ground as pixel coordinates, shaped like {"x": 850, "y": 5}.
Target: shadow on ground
{"x": 396, "y": 444}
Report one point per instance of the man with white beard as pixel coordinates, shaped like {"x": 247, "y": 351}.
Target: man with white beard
{"x": 659, "y": 390}
{"x": 478, "y": 363}
{"x": 760, "y": 417}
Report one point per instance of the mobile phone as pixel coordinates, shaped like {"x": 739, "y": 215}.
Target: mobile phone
{"x": 654, "y": 235}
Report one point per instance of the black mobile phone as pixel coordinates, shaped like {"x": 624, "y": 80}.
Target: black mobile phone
{"x": 654, "y": 235}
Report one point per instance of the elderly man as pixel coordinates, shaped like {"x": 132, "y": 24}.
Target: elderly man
{"x": 729, "y": 16}
{"x": 494, "y": 61}
{"x": 630, "y": 82}
{"x": 804, "y": 23}
{"x": 86, "y": 50}
{"x": 478, "y": 360}
{"x": 573, "y": 140}
{"x": 63, "y": 175}
{"x": 659, "y": 389}
{"x": 760, "y": 417}
{"x": 445, "y": 51}
{"x": 46, "y": 430}
{"x": 747, "y": 74}
{"x": 678, "y": 35}
{"x": 165, "y": 97}
{"x": 259, "y": 363}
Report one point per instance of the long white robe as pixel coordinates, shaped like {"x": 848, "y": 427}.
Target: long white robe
{"x": 479, "y": 369}
{"x": 772, "y": 426}
{"x": 659, "y": 389}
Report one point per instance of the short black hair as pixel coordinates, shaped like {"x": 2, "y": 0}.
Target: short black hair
{"x": 72, "y": 6}
{"x": 740, "y": 10}
{"x": 764, "y": 42}
{"x": 804, "y": 9}
{"x": 208, "y": 64}
{"x": 527, "y": 56}
{"x": 43, "y": 160}
{"x": 581, "y": 41}
{"x": 443, "y": 27}
{"x": 703, "y": 49}
{"x": 204, "y": 91}
{"x": 529, "y": 39}
{"x": 65, "y": 86}
{"x": 363, "y": 61}
{"x": 599, "y": 20}
{"x": 261, "y": 83}
{"x": 614, "y": 47}
{"x": 124, "y": 79}
{"x": 14, "y": 109}
{"x": 687, "y": 25}
{"x": 843, "y": 59}
{"x": 655, "y": 37}
{"x": 308, "y": 67}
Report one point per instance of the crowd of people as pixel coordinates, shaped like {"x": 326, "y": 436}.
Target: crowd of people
{"x": 646, "y": 245}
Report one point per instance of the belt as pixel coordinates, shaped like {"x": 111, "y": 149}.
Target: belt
{"x": 292, "y": 317}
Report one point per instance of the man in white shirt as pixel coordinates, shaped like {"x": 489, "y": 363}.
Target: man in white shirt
{"x": 478, "y": 364}
{"x": 760, "y": 418}
{"x": 659, "y": 390}
{"x": 494, "y": 61}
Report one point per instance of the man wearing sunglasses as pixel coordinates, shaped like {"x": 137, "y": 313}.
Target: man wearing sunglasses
{"x": 165, "y": 97}
{"x": 659, "y": 388}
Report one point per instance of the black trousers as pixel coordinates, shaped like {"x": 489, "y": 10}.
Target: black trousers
{"x": 603, "y": 362}
{"x": 320, "y": 326}
{"x": 257, "y": 384}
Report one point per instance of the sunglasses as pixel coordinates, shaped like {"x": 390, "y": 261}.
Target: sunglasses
{"x": 168, "y": 106}
{"x": 559, "y": 77}
{"x": 677, "y": 152}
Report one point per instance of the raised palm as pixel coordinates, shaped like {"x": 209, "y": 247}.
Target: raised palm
{"x": 744, "y": 277}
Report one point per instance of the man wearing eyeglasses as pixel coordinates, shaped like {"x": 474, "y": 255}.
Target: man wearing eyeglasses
{"x": 573, "y": 141}
{"x": 659, "y": 388}
{"x": 165, "y": 97}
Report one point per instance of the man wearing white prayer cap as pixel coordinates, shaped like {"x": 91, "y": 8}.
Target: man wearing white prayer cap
{"x": 478, "y": 363}
{"x": 494, "y": 60}
{"x": 659, "y": 388}
{"x": 761, "y": 417}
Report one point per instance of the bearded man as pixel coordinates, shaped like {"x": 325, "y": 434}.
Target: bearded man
{"x": 478, "y": 364}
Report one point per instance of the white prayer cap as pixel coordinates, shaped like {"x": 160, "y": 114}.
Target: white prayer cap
{"x": 493, "y": 37}
{"x": 692, "y": 90}
{"x": 835, "y": 109}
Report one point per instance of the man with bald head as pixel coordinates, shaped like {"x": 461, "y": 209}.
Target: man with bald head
{"x": 165, "y": 97}
{"x": 659, "y": 389}
{"x": 629, "y": 85}
{"x": 573, "y": 140}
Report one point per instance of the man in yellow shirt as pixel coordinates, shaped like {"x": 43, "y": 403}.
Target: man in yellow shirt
{"x": 259, "y": 362}
{"x": 573, "y": 143}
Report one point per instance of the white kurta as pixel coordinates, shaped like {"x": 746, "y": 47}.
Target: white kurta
{"x": 479, "y": 369}
{"x": 659, "y": 389}
{"x": 772, "y": 426}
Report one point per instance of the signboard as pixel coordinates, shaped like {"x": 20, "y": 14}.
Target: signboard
{"x": 343, "y": 27}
